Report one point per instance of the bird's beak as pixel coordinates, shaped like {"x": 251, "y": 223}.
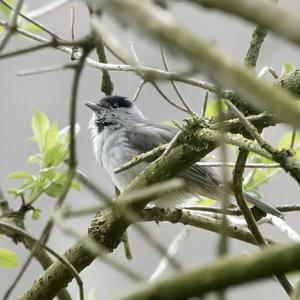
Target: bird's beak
{"x": 94, "y": 107}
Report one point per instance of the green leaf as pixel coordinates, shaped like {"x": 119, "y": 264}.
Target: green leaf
{"x": 5, "y": 11}
{"x": 48, "y": 173}
{"x": 56, "y": 155}
{"x": 287, "y": 68}
{"x": 36, "y": 214}
{"x": 54, "y": 190}
{"x": 35, "y": 192}
{"x": 285, "y": 141}
{"x": 20, "y": 175}
{"x": 54, "y": 150}
{"x": 63, "y": 176}
{"x": 75, "y": 185}
{"x": 13, "y": 192}
{"x": 32, "y": 159}
{"x": 40, "y": 125}
{"x": 256, "y": 179}
{"x": 8, "y": 258}
{"x": 51, "y": 137}
{"x": 27, "y": 185}
{"x": 212, "y": 108}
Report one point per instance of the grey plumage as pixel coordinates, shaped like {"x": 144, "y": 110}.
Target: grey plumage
{"x": 120, "y": 131}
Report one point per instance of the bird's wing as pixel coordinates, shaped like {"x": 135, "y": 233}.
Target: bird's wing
{"x": 204, "y": 177}
{"x": 146, "y": 136}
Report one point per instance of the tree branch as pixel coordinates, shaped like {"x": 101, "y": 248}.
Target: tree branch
{"x": 239, "y": 270}
{"x": 226, "y": 72}
{"x": 264, "y": 12}
{"x": 237, "y": 183}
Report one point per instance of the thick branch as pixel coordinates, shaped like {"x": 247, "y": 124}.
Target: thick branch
{"x": 239, "y": 270}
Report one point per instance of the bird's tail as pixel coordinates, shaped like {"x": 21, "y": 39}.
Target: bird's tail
{"x": 263, "y": 206}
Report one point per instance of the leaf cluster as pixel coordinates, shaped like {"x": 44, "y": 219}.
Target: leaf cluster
{"x": 51, "y": 176}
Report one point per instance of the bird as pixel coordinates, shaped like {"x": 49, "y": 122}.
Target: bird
{"x": 120, "y": 131}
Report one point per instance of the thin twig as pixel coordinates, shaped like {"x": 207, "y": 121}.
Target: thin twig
{"x": 172, "y": 144}
{"x": 134, "y": 54}
{"x": 250, "y": 128}
{"x": 110, "y": 39}
{"x": 12, "y": 24}
{"x": 26, "y": 50}
{"x": 172, "y": 250}
{"x": 248, "y": 165}
{"x": 138, "y": 63}
{"x": 46, "y": 9}
{"x": 167, "y": 98}
{"x": 27, "y": 18}
{"x": 187, "y": 218}
{"x": 237, "y": 212}
{"x": 144, "y": 71}
{"x": 293, "y": 138}
{"x": 239, "y": 195}
{"x": 284, "y": 227}
{"x": 231, "y": 212}
{"x": 180, "y": 96}
{"x": 72, "y": 23}
{"x": 75, "y": 48}
{"x": 204, "y": 105}
{"x": 138, "y": 90}
{"x": 266, "y": 70}
{"x": 288, "y": 208}
{"x": 142, "y": 157}
{"x": 43, "y": 70}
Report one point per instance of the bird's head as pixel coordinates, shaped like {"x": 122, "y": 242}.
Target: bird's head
{"x": 113, "y": 111}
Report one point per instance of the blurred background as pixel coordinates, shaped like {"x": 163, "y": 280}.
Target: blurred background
{"x": 50, "y": 93}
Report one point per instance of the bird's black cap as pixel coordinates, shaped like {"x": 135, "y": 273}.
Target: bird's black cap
{"x": 109, "y": 101}
{"x": 116, "y": 101}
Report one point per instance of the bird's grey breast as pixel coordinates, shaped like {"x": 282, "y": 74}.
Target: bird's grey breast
{"x": 113, "y": 150}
